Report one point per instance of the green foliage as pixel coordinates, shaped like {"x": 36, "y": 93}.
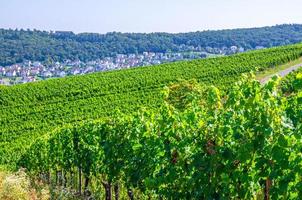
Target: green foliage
{"x": 19, "y": 45}
{"x": 181, "y": 95}
{"x": 292, "y": 82}
{"x": 243, "y": 145}
{"x": 30, "y": 110}
{"x": 291, "y": 86}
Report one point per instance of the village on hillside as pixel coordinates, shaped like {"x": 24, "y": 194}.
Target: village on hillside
{"x": 30, "y": 71}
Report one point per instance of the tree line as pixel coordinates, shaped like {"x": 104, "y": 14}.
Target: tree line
{"x": 20, "y": 45}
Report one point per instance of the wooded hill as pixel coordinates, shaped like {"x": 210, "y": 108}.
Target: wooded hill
{"x": 19, "y": 45}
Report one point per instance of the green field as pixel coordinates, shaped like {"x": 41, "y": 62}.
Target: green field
{"x": 272, "y": 71}
{"x": 202, "y": 144}
{"x": 31, "y": 110}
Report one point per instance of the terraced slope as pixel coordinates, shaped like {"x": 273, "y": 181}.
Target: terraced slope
{"x": 29, "y": 110}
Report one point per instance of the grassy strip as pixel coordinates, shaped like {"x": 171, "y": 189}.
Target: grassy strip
{"x": 18, "y": 186}
{"x": 271, "y": 71}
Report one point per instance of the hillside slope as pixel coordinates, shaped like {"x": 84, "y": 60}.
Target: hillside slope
{"x": 30, "y": 110}
{"x": 19, "y": 45}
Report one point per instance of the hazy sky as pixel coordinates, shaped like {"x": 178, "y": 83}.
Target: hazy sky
{"x": 146, "y": 15}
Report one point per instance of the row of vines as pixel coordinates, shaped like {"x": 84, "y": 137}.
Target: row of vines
{"x": 28, "y": 111}
{"x": 199, "y": 145}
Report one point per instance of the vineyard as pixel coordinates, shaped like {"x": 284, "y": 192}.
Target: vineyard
{"x": 200, "y": 144}
{"x": 29, "y": 111}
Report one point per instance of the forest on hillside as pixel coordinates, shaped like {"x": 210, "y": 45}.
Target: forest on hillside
{"x": 19, "y": 45}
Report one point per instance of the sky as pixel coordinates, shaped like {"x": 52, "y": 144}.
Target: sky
{"x": 173, "y": 16}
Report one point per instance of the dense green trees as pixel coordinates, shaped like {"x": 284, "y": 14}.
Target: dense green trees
{"x": 243, "y": 145}
{"x": 19, "y": 45}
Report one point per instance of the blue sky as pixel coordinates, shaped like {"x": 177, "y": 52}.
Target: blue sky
{"x": 146, "y": 15}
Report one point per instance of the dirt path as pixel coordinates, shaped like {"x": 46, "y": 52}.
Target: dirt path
{"x": 281, "y": 73}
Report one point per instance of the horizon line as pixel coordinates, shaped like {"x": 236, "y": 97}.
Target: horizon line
{"x": 104, "y": 33}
